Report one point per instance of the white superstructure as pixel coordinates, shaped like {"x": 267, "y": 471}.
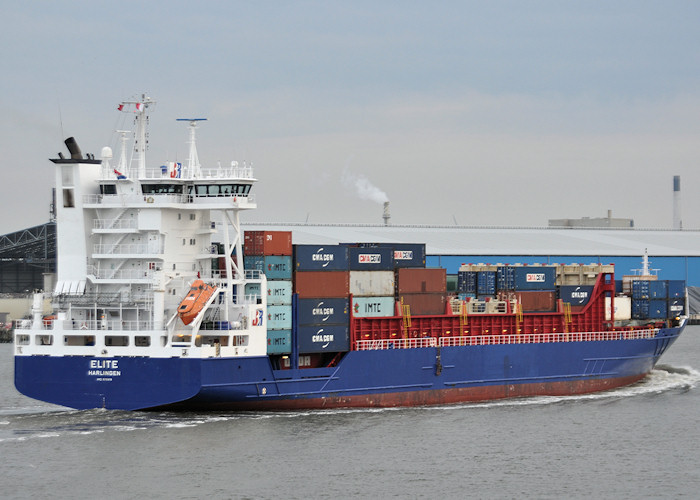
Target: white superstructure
{"x": 132, "y": 239}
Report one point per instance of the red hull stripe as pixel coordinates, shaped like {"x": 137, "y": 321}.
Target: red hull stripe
{"x": 430, "y": 397}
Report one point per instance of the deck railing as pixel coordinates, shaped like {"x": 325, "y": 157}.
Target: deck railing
{"x": 533, "y": 338}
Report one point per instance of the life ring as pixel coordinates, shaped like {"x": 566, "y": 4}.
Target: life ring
{"x": 149, "y": 199}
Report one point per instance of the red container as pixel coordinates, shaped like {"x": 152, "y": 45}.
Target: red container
{"x": 424, "y": 304}
{"x": 317, "y": 284}
{"x": 267, "y": 243}
{"x": 421, "y": 280}
{"x": 538, "y": 301}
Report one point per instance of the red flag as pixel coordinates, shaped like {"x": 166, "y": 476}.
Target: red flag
{"x": 120, "y": 107}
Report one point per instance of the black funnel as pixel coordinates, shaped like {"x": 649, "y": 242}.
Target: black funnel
{"x": 72, "y": 146}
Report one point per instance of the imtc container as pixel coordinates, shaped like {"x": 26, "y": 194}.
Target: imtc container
{"x": 279, "y": 341}
{"x": 373, "y": 307}
{"x": 279, "y": 317}
{"x": 275, "y": 267}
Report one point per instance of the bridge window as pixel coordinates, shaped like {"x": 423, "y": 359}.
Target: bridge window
{"x": 162, "y": 188}
{"x": 117, "y": 340}
{"x": 68, "y": 199}
{"x": 219, "y": 189}
{"x": 108, "y": 188}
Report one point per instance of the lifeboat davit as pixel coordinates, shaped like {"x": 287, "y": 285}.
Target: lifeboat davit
{"x": 196, "y": 299}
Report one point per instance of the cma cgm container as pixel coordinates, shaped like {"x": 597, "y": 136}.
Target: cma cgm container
{"x": 372, "y": 283}
{"x": 275, "y": 267}
{"x": 267, "y": 243}
{"x": 323, "y": 311}
{"x": 424, "y": 304}
{"x": 421, "y": 280}
{"x": 373, "y": 307}
{"x": 404, "y": 254}
{"x": 535, "y": 277}
{"x": 320, "y": 258}
{"x": 323, "y": 338}
{"x": 370, "y": 259}
{"x": 313, "y": 284}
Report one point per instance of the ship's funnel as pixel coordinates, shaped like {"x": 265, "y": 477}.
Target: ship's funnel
{"x": 677, "y": 221}
{"x": 72, "y": 146}
{"x": 386, "y": 215}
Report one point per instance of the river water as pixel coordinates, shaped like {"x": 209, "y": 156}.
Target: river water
{"x": 637, "y": 442}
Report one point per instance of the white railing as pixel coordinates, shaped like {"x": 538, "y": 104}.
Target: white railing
{"x": 534, "y": 338}
{"x": 114, "y": 224}
{"x": 127, "y": 248}
{"x": 122, "y": 274}
{"x": 370, "y": 345}
{"x": 542, "y": 338}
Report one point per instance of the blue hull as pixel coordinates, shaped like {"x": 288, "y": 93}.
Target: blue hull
{"x": 394, "y": 377}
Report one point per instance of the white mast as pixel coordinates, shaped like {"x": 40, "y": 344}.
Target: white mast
{"x": 193, "y": 161}
{"x": 139, "y": 107}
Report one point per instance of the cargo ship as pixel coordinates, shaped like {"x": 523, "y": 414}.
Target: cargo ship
{"x": 162, "y": 301}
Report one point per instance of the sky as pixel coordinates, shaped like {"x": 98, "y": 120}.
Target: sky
{"x": 499, "y": 113}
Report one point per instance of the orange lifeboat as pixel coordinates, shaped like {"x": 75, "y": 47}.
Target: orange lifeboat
{"x": 196, "y": 299}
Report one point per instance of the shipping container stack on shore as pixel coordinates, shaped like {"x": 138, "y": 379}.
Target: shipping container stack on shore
{"x": 271, "y": 253}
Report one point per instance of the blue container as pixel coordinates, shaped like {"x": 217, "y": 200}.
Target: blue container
{"x": 486, "y": 283}
{"x": 404, "y": 254}
{"x": 658, "y": 309}
{"x": 373, "y": 307}
{"x": 505, "y": 278}
{"x": 275, "y": 267}
{"x": 279, "y": 317}
{"x": 576, "y": 295}
{"x": 409, "y": 254}
{"x": 640, "y": 289}
{"x": 279, "y": 341}
{"x": 658, "y": 290}
{"x": 326, "y": 338}
{"x": 466, "y": 282}
{"x": 640, "y": 308}
{"x": 324, "y": 311}
{"x": 676, "y": 307}
{"x": 279, "y": 292}
{"x": 676, "y": 288}
{"x": 320, "y": 258}
{"x": 535, "y": 277}
{"x": 370, "y": 259}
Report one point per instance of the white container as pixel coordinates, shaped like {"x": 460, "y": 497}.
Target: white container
{"x": 623, "y": 308}
{"x": 372, "y": 283}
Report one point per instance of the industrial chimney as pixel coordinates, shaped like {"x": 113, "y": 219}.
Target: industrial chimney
{"x": 677, "y": 222}
{"x": 386, "y": 215}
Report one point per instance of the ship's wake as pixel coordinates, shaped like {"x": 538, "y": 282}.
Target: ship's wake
{"x": 39, "y": 421}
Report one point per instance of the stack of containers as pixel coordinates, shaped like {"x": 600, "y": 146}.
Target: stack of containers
{"x": 657, "y": 299}
{"x": 271, "y": 253}
{"x": 424, "y": 290}
{"x": 321, "y": 280}
{"x": 535, "y": 287}
{"x": 372, "y": 282}
{"x": 676, "y": 297}
{"x": 466, "y": 282}
{"x": 374, "y": 273}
